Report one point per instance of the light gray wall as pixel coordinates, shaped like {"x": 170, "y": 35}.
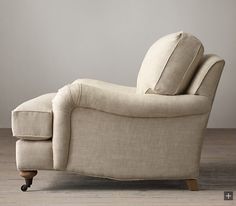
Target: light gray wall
{"x": 46, "y": 44}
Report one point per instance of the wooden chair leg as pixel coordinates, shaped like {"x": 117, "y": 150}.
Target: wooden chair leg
{"x": 28, "y": 175}
{"x": 192, "y": 184}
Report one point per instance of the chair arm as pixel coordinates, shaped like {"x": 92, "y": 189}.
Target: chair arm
{"x": 114, "y": 99}
{"x": 106, "y": 85}
{"x": 64, "y": 102}
{"x": 124, "y": 101}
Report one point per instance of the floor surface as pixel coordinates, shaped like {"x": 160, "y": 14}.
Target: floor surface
{"x": 217, "y": 174}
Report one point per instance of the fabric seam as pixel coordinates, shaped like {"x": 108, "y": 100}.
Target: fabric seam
{"x": 180, "y": 39}
{"x": 140, "y": 116}
{"x": 26, "y": 111}
{"x": 31, "y": 135}
{"x": 182, "y": 79}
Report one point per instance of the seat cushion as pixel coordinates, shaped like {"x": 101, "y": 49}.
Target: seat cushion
{"x": 170, "y": 64}
{"x": 32, "y": 120}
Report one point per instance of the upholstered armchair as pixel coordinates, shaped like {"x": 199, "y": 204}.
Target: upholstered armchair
{"x": 150, "y": 132}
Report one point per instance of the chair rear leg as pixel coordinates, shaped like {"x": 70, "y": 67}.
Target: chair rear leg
{"x": 192, "y": 184}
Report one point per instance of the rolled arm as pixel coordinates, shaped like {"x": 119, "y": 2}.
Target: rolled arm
{"x": 114, "y": 99}
{"x": 66, "y": 99}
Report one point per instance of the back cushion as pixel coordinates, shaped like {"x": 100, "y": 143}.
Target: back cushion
{"x": 170, "y": 64}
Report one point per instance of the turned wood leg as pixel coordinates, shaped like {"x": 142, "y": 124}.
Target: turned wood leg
{"x": 192, "y": 184}
{"x": 28, "y": 175}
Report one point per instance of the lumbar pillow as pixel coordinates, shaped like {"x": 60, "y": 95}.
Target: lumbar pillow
{"x": 170, "y": 64}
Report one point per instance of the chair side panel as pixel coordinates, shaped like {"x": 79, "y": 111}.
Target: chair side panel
{"x": 117, "y": 147}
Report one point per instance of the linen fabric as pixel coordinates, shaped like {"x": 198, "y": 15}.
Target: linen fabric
{"x": 34, "y": 155}
{"x": 117, "y": 102}
{"x": 32, "y": 120}
{"x": 126, "y": 148}
{"x": 206, "y": 79}
{"x": 170, "y": 64}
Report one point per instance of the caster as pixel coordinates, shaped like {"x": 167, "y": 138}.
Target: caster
{"x": 24, "y": 188}
{"x": 28, "y": 175}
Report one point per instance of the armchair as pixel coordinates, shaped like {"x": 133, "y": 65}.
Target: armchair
{"x": 150, "y": 132}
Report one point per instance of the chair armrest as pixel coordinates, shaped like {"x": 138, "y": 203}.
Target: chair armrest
{"x": 66, "y": 99}
{"x": 106, "y": 85}
{"x": 124, "y": 101}
{"x": 114, "y": 99}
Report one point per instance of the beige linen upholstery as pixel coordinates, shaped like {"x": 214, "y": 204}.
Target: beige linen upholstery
{"x": 32, "y": 120}
{"x": 126, "y": 148}
{"x": 34, "y": 155}
{"x": 126, "y": 133}
{"x": 169, "y": 64}
{"x": 118, "y": 102}
{"x": 207, "y": 77}
{"x": 106, "y": 85}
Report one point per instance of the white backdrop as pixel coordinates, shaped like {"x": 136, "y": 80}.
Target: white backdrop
{"x": 48, "y": 43}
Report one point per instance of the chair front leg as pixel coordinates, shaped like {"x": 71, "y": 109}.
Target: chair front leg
{"x": 28, "y": 175}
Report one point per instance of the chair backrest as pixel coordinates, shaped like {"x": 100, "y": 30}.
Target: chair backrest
{"x": 207, "y": 76}
{"x": 169, "y": 64}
